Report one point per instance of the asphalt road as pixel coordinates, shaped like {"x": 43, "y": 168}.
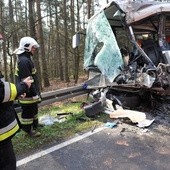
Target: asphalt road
{"x": 124, "y": 147}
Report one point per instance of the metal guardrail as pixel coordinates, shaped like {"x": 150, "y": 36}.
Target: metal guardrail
{"x": 58, "y": 95}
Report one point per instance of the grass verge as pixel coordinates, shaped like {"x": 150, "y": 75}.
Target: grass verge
{"x": 75, "y": 122}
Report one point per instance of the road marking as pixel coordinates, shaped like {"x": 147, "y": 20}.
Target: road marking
{"x": 57, "y": 147}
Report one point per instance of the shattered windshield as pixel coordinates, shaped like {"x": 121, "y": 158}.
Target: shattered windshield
{"x": 101, "y": 48}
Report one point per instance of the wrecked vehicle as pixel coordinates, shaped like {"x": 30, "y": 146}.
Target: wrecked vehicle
{"x": 127, "y": 54}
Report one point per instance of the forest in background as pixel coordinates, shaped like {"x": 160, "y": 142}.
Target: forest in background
{"x": 52, "y": 23}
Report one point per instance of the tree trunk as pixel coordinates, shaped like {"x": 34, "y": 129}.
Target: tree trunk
{"x": 40, "y": 32}
{"x": 33, "y": 34}
{"x": 58, "y": 49}
{"x": 76, "y": 57}
{"x": 26, "y": 17}
{"x": 65, "y": 43}
{"x": 89, "y": 8}
{"x": 11, "y": 18}
{"x": 4, "y": 56}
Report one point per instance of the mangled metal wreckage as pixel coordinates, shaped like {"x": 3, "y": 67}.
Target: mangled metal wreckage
{"x": 127, "y": 54}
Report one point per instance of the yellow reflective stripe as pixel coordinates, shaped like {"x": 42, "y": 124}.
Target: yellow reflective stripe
{"x": 30, "y": 100}
{"x": 9, "y": 133}
{"x": 9, "y": 127}
{"x": 10, "y": 92}
{"x": 26, "y": 121}
{"x": 13, "y": 92}
{"x": 6, "y": 92}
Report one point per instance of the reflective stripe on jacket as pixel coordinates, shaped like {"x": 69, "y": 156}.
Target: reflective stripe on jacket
{"x": 9, "y": 130}
{"x": 10, "y": 92}
{"x": 8, "y": 122}
{"x": 30, "y": 100}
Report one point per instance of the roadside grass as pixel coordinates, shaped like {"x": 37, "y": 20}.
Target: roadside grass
{"x": 74, "y": 121}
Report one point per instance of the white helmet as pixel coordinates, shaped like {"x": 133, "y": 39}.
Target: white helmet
{"x": 26, "y": 44}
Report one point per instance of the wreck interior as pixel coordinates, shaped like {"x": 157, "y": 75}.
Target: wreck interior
{"x": 148, "y": 56}
{"x": 146, "y": 61}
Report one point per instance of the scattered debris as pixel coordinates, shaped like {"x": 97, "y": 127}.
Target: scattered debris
{"x": 66, "y": 113}
{"x": 94, "y": 127}
{"x": 141, "y": 117}
{"x": 134, "y": 116}
{"x": 49, "y": 119}
{"x": 93, "y": 109}
{"x": 110, "y": 124}
{"x": 145, "y": 123}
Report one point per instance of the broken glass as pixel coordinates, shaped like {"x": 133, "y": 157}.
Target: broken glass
{"x": 101, "y": 48}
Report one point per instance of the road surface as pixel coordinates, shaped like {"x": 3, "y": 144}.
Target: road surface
{"x": 123, "y": 147}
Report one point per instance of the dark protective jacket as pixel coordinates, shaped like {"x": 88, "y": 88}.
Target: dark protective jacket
{"x": 8, "y": 122}
{"x": 25, "y": 68}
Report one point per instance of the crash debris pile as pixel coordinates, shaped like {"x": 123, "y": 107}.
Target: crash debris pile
{"x": 134, "y": 116}
{"x": 115, "y": 110}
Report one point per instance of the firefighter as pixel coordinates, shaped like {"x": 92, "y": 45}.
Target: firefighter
{"x": 8, "y": 122}
{"x": 25, "y": 68}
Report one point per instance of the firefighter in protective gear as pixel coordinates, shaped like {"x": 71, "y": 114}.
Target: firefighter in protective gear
{"x": 8, "y": 122}
{"x": 25, "y": 68}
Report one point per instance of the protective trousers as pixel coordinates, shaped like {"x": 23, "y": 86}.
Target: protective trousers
{"x": 29, "y": 117}
{"x": 7, "y": 156}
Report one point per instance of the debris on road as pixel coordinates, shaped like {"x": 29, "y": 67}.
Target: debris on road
{"x": 134, "y": 116}
{"x": 110, "y": 124}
